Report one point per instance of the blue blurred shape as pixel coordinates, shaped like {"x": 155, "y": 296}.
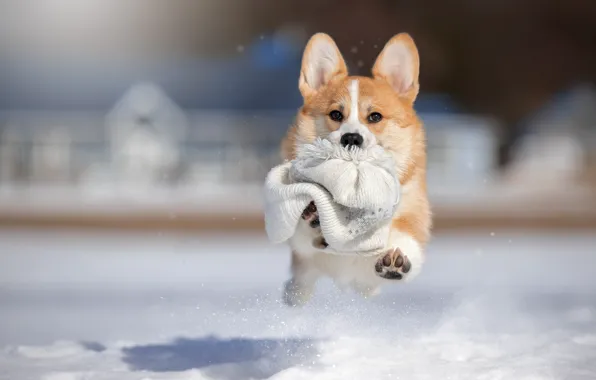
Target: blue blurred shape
{"x": 273, "y": 52}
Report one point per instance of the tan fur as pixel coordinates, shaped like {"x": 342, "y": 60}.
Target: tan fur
{"x": 400, "y": 132}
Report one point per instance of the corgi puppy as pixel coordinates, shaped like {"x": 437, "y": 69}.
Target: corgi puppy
{"x": 362, "y": 111}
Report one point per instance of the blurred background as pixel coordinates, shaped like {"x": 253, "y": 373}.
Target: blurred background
{"x": 168, "y": 114}
{"x": 135, "y": 136}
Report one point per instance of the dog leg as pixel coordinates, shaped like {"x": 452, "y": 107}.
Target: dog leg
{"x": 311, "y": 216}
{"x": 299, "y": 289}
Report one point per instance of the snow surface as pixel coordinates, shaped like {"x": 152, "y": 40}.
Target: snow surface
{"x": 488, "y": 306}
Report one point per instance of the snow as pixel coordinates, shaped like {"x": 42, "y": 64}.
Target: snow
{"x": 109, "y": 306}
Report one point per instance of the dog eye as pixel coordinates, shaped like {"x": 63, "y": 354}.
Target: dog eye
{"x": 375, "y": 117}
{"x": 336, "y": 116}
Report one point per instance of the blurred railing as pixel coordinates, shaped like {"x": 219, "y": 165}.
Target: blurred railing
{"x": 241, "y": 151}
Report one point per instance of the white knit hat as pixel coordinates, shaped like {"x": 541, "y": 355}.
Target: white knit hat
{"x": 356, "y": 192}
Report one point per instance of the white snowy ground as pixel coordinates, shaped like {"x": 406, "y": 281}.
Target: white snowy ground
{"x": 489, "y": 306}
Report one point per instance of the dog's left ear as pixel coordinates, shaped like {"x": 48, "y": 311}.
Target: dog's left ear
{"x": 399, "y": 64}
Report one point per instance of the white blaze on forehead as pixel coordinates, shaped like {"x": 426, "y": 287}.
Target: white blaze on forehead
{"x": 354, "y": 101}
{"x": 352, "y": 124}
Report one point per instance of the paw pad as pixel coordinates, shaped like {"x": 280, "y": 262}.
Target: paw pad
{"x": 311, "y": 215}
{"x": 393, "y": 265}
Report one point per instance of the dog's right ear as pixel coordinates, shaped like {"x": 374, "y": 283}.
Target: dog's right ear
{"x": 321, "y": 62}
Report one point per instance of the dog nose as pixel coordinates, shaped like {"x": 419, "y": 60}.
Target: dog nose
{"x": 351, "y": 139}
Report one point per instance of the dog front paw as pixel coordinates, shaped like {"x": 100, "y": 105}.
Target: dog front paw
{"x": 311, "y": 215}
{"x": 393, "y": 265}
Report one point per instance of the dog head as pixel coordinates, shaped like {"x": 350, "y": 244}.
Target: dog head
{"x": 362, "y": 111}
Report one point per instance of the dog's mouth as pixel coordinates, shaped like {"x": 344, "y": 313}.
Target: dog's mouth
{"x": 352, "y": 148}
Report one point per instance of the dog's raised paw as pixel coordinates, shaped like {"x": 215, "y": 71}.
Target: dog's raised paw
{"x": 393, "y": 265}
{"x": 311, "y": 215}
